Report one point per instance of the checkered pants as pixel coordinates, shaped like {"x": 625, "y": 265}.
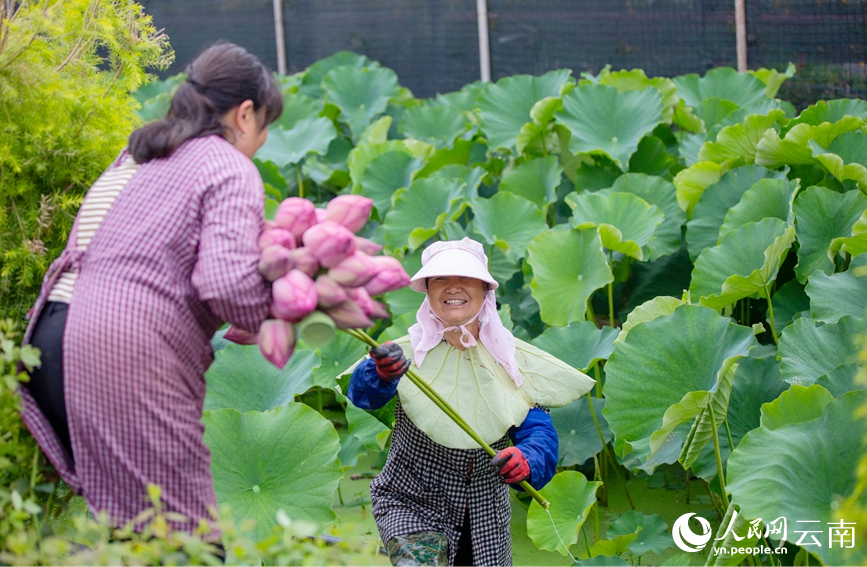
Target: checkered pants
{"x": 425, "y": 486}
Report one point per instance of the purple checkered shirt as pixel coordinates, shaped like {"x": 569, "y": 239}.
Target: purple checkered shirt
{"x": 174, "y": 257}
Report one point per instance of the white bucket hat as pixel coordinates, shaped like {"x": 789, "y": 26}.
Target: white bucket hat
{"x": 464, "y": 257}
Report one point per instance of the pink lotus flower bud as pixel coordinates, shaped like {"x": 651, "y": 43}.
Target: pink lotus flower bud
{"x": 390, "y": 276}
{"x": 240, "y": 336}
{"x": 380, "y": 311}
{"x": 352, "y": 211}
{"x": 348, "y": 315}
{"x": 320, "y": 215}
{"x": 277, "y": 341}
{"x": 369, "y": 247}
{"x": 294, "y": 296}
{"x": 355, "y": 270}
{"x": 329, "y": 242}
{"x": 305, "y": 261}
{"x": 275, "y": 262}
{"x": 331, "y": 293}
{"x": 269, "y": 224}
{"x": 295, "y": 215}
{"x": 360, "y": 296}
{"x": 276, "y": 236}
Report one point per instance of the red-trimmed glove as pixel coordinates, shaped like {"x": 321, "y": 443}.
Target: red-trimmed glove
{"x": 513, "y": 465}
{"x": 390, "y": 362}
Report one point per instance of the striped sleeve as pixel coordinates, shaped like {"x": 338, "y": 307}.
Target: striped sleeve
{"x": 225, "y": 275}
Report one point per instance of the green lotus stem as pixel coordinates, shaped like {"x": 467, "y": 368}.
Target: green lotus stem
{"x": 771, "y": 316}
{"x": 300, "y": 181}
{"x": 449, "y": 411}
{"x": 719, "y": 465}
{"x": 611, "y": 290}
{"x": 605, "y": 450}
{"x": 729, "y": 435}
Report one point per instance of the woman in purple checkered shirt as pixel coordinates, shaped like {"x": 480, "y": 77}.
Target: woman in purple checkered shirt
{"x": 161, "y": 253}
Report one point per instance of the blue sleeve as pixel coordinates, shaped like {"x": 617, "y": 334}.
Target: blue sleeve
{"x": 367, "y": 390}
{"x": 537, "y": 440}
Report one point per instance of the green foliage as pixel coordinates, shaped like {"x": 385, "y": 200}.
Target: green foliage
{"x": 67, "y": 69}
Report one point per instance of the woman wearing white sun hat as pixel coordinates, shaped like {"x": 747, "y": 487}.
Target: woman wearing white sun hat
{"x": 440, "y": 499}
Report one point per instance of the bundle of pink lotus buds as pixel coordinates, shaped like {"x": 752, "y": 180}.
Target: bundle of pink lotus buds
{"x": 324, "y": 275}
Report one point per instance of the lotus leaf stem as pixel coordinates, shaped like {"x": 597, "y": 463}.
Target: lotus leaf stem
{"x": 729, "y": 435}
{"x": 611, "y": 290}
{"x": 300, "y": 181}
{"x": 449, "y": 411}
{"x": 605, "y": 445}
{"x": 771, "y": 316}
{"x": 719, "y": 465}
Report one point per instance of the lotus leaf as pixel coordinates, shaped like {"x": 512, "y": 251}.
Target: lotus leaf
{"x": 823, "y": 215}
{"x": 725, "y": 83}
{"x": 505, "y": 105}
{"x": 856, "y": 244}
{"x": 438, "y": 159}
{"x": 802, "y": 469}
{"x": 713, "y": 111}
{"x": 365, "y": 427}
{"x": 261, "y": 465}
{"x": 571, "y": 497}
{"x": 309, "y": 135}
{"x": 611, "y": 548}
{"x": 845, "y": 157}
{"x": 626, "y": 222}
{"x": 436, "y": 124}
{"x": 702, "y": 231}
{"x": 361, "y": 93}
{"x": 835, "y": 296}
{"x": 509, "y": 222}
{"x": 350, "y": 449}
{"x": 637, "y": 80}
{"x": 578, "y": 438}
{"x": 665, "y": 373}
{"x": 808, "y": 351}
{"x": 745, "y": 262}
{"x": 768, "y": 198}
{"x": 659, "y": 306}
{"x": 601, "y": 560}
{"x": 651, "y": 157}
{"x": 464, "y": 99}
{"x": 536, "y": 180}
{"x": 659, "y": 192}
{"x": 653, "y": 535}
{"x": 692, "y": 182}
{"x": 420, "y": 211}
{"x": 733, "y": 523}
{"x": 568, "y": 266}
{"x": 831, "y": 111}
{"x": 471, "y": 176}
{"x": 842, "y": 380}
{"x": 406, "y": 300}
{"x": 773, "y": 152}
{"x": 736, "y": 145}
{"x": 384, "y": 175}
{"x": 796, "y": 405}
{"x": 773, "y": 79}
{"x": 360, "y": 156}
{"x": 481, "y": 391}
{"x": 334, "y": 359}
{"x": 376, "y": 132}
{"x": 606, "y": 122}
{"x": 690, "y": 147}
{"x": 581, "y": 344}
{"x": 313, "y": 75}
{"x": 297, "y": 106}
{"x": 240, "y": 378}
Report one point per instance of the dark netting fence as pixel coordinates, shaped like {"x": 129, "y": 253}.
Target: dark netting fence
{"x": 433, "y": 44}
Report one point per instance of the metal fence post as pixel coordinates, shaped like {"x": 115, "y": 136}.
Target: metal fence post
{"x": 278, "y": 32}
{"x": 741, "y": 34}
{"x": 484, "y": 45}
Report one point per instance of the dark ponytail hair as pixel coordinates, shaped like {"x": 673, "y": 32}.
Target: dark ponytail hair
{"x": 221, "y": 78}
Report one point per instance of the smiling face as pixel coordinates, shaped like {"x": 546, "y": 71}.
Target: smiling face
{"x": 455, "y": 299}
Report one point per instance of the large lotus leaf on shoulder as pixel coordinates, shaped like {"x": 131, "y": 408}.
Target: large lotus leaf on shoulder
{"x": 436, "y": 124}
{"x": 768, "y": 198}
{"x": 509, "y": 222}
{"x": 801, "y": 470}
{"x": 772, "y": 151}
{"x": 568, "y": 266}
{"x": 240, "y": 378}
{"x": 823, "y": 215}
{"x": 744, "y": 263}
{"x": 837, "y": 295}
{"x": 361, "y": 94}
{"x": 312, "y": 78}
{"x": 809, "y": 351}
{"x": 606, "y": 122}
{"x": 702, "y": 230}
{"x": 736, "y": 145}
{"x": 830, "y": 111}
{"x": 547, "y": 380}
{"x": 661, "y": 193}
{"x": 743, "y": 89}
{"x": 625, "y": 221}
{"x": 693, "y": 181}
{"x": 576, "y": 431}
{"x": 420, "y": 211}
{"x": 536, "y": 180}
{"x": 261, "y": 464}
{"x": 571, "y": 496}
{"x": 845, "y": 157}
{"x": 579, "y": 344}
{"x": 505, "y": 105}
{"x": 385, "y": 174}
{"x": 665, "y": 373}
{"x": 310, "y": 135}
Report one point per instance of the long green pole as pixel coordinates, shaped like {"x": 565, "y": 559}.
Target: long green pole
{"x": 449, "y": 411}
